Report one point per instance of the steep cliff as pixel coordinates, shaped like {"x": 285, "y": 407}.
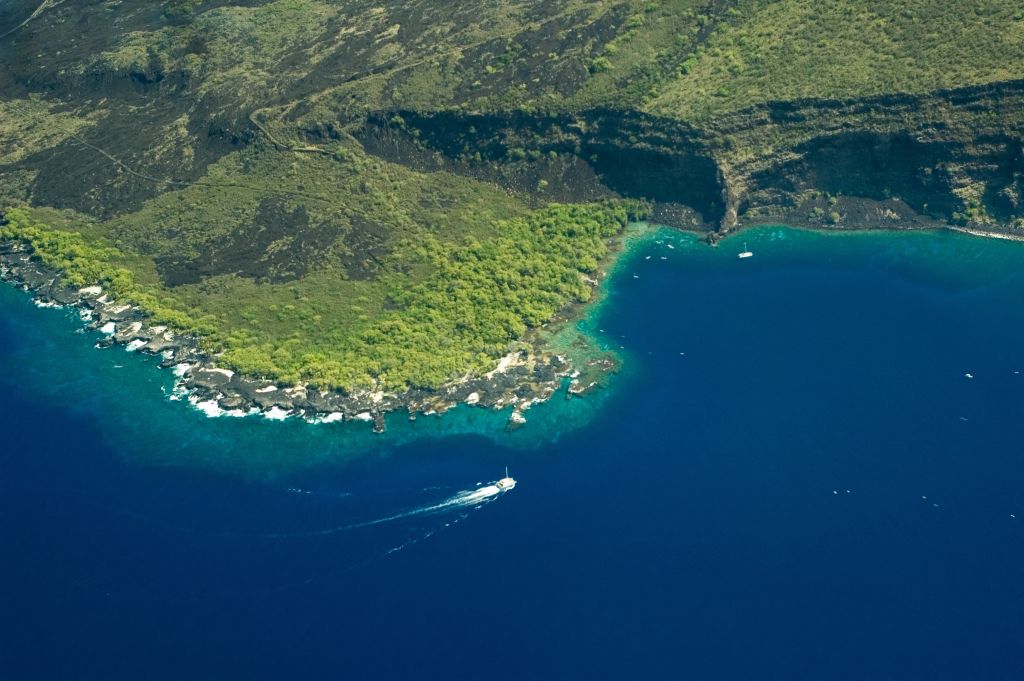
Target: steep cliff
{"x": 948, "y": 157}
{"x": 275, "y": 176}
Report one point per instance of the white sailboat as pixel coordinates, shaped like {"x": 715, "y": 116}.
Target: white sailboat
{"x": 745, "y": 253}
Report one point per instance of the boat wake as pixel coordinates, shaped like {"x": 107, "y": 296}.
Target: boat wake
{"x": 462, "y": 501}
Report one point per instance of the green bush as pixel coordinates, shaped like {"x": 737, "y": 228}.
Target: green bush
{"x": 479, "y": 300}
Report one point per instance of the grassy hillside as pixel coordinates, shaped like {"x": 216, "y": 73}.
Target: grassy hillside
{"x": 435, "y": 311}
{"x": 803, "y": 49}
{"x": 246, "y": 169}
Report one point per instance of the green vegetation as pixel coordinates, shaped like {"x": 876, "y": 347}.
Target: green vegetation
{"x": 796, "y": 49}
{"x": 478, "y": 300}
{"x": 236, "y": 50}
{"x": 86, "y": 264}
{"x": 32, "y": 124}
{"x": 212, "y": 159}
{"x": 651, "y": 42}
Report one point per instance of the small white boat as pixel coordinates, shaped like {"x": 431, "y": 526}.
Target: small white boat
{"x": 745, "y": 253}
{"x": 506, "y": 483}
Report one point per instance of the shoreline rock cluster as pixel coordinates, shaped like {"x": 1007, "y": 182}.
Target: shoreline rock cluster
{"x": 520, "y": 380}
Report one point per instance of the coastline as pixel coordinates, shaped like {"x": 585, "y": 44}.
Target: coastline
{"x": 576, "y": 337}
{"x": 1005, "y": 236}
{"x": 562, "y": 354}
{"x": 518, "y": 381}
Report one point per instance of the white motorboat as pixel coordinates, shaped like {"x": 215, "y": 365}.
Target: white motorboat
{"x": 506, "y": 483}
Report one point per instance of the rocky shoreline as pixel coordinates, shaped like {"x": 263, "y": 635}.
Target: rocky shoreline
{"x": 989, "y": 234}
{"x": 520, "y": 380}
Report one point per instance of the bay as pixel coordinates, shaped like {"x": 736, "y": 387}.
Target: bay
{"x": 793, "y": 477}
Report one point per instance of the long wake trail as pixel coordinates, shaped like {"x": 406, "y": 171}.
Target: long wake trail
{"x": 462, "y": 500}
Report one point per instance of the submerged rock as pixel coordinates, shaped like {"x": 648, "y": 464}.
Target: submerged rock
{"x": 515, "y": 420}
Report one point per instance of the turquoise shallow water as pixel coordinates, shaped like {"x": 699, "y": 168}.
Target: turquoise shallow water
{"x": 792, "y": 478}
{"x": 130, "y": 398}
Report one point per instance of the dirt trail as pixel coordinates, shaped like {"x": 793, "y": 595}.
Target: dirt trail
{"x": 46, "y": 4}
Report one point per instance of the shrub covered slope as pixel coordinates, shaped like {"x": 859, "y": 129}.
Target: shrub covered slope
{"x": 357, "y": 193}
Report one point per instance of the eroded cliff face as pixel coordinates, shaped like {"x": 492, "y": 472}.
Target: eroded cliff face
{"x": 950, "y": 157}
{"x": 953, "y": 157}
{"x": 564, "y": 157}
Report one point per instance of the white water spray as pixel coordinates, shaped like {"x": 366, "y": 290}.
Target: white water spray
{"x": 466, "y": 499}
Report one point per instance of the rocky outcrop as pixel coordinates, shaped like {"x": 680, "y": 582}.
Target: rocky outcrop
{"x": 520, "y": 380}
{"x": 950, "y": 157}
{"x": 565, "y": 157}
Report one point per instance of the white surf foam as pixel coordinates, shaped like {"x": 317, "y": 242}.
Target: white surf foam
{"x": 276, "y": 414}
{"x": 333, "y": 417}
{"x": 209, "y": 407}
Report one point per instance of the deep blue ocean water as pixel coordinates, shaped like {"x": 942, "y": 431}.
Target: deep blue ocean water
{"x": 793, "y": 478}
